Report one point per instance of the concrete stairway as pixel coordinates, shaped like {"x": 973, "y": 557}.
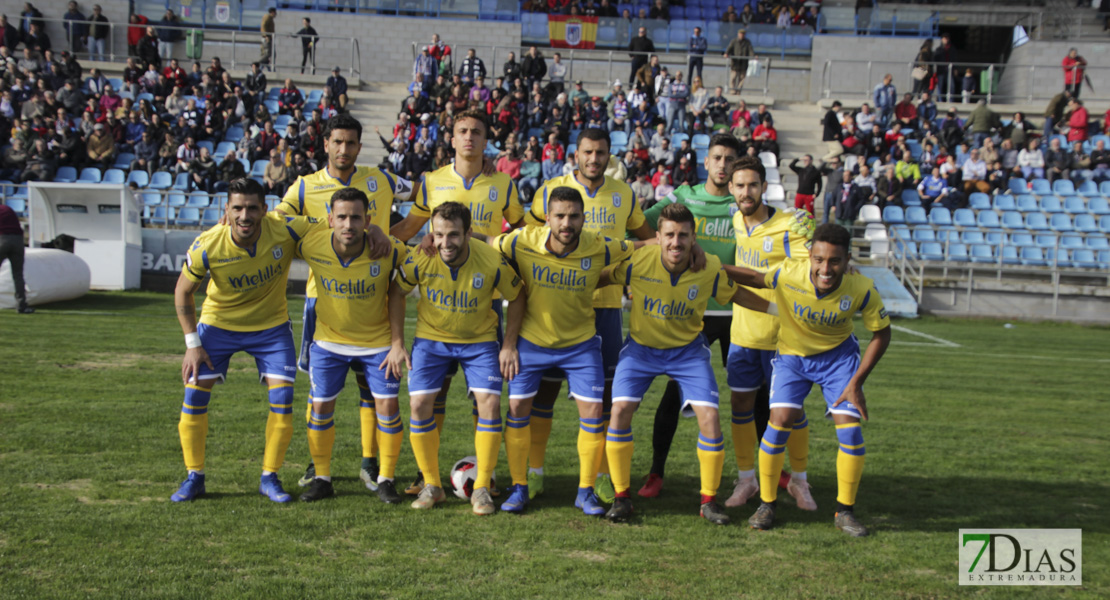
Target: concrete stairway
{"x": 376, "y": 105}
{"x": 799, "y": 128}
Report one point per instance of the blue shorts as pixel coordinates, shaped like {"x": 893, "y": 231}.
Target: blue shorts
{"x": 431, "y": 360}
{"x": 610, "y": 329}
{"x": 272, "y": 349}
{"x": 329, "y": 373}
{"x": 748, "y": 369}
{"x": 581, "y": 363}
{"x": 453, "y": 366}
{"x": 688, "y": 365}
{"x": 832, "y": 370}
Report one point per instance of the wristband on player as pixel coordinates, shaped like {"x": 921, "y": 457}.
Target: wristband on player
{"x": 192, "y": 340}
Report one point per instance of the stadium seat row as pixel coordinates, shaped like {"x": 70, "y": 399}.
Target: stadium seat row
{"x": 1034, "y": 256}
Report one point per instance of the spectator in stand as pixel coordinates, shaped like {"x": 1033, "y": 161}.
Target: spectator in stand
{"x": 135, "y": 33}
{"x": 740, "y": 50}
{"x": 471, "y": 67}
{"x": 186, "y": 153}
{"x": 662, "y": 154}
{"x": 267, "y": 29}
{"x": 1079, "y": 164}
{"x": 888, "y": 188}
{"x": 717, "y": 106}
{"x": 531, "y": 174}
{"x": 309, "y": 37}
{"x": 256, "y": 84}
{"x": 907, "y": 171}
{"x": 557, "y": 74}
{"x": 1031, "y": 161}
{"x": 101, "y": 147}
{"x": 442, "y": 53}
{"x": 147, "y": 49}
{"x": 832, "y": 134}
{"x": 874, "y": 143}
{"x": 933, "y": 190}
{"x": 809, "y": 182}
{"x": 1055, "y": 161}
{"x": 1054, "y": 112}
{"x": 885, "y": 98}
{"x": 975, "y": 174}
{"x": 944, "y": 56}
{"x": 664, "y": 187}
{"x": 510, "y": 70}
{"x": 639, "y": 49}
{"x": 37, "y": 39}
{"x": 202, "y": 172}
{"x": 1100, "y": 162}
{"x": 865, "y": 181}
{"x": 12, "y": 251}
{"x": 643, "y": 190}
{"x": 10, "y": 37}
{"x": 848, "y": 200}
{"x": 982, "y": 122}
{"x": 1009, "y": 157}
{"x": 659, "y": 10}
{"x": 417, "y": 162}
{"x": 169, "y": 33}
{"x": 77, "y": 31}
{"x": 146, "y": 154}
{"x": 425, "y": 65}
{"x": 290, "y": 98}
{"x": 276, "y": 175}
{"x": 865, "y": 118}
{"x": 1078, "y": 121}
{"x": 1017, "y": 131}
{"x": 906, "y": 113}
{"x": 227, "y": 171}
{"x": 765, "y": 138}
{"x": 98, "y": 34}
{"x": 685, "y": 173}
{"x": 696, "y": 49}
{"x": 510, "y": 162}
{"x": 337, "y": 83}
{"x": 1074, "y": 69}
{"x": 533, "y": 67}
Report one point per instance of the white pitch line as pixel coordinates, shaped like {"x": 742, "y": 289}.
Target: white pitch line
{"x": 1038, "y": 357}
{"x": 940, "y": 341}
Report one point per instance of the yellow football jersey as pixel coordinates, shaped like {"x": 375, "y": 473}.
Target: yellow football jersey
{"x": 667, "y": 309}
{"x": 762, "y": 248}
{"x": 247, "y": 289}
{"x": 456, "y": 305}
{"x": 311, "y": 196}
{"x": 560, "y": 311}
{"x": 489, "y": 198}
{"x": 610, "y": 211}
{"x": 812, "y": 323}
{"x": 352, "y": 307}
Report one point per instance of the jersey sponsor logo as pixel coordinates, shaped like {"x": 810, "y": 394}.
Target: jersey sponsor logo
{"x": 480, "y": 213}
{"x": 616, "y": 200}
{"x": 598, "y": 217}
{"x": 372, "y": 185}
{"x": 277, "y": 252}
{"x": 444, "y": 188}
{"x": 350, "y": 287}
{"x": 693, "y": 293}
{"x": 317, "y": 188}
{"x": 456, "y": 299}
{"x": 375, "y": 270}
{"x": 673, "y": 309}
{"x": 795, "y": 289}
{"x": 586, "y": 262}
{"x": 251, "y": 280}
{"x": 845, "y": 302}
{"x": 224, "y": 261}
{"x": 768, "y": 244}
{"x": 319, "y": 260}
{"x": 561, "y": 277}
{"x": 716, "y": 228}
{"x": 479, "y": 281}
{"x": 751, "y": 258}
{"x": 820, "y": 317}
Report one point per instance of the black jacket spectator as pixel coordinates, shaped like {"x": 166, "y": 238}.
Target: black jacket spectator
{"x": 831, "y": 128}
{"x": 809, "y": 178}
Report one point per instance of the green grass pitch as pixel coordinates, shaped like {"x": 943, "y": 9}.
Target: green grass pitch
{"x": 974, "y": 425}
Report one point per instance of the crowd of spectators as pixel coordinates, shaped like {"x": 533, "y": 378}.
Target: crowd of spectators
{"x": 782, "y": 13}
{"x": 535, "y": 114}
{"x": 157, "y": 117}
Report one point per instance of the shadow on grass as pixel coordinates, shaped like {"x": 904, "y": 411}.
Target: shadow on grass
{"x": 893, "y": 504}
{"x": 111, "y": 302}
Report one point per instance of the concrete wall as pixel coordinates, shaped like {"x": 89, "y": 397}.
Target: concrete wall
{"x": 1045, "y": 79}
{"x": 1085, "y": 304}
{"x": 849, "y": 72}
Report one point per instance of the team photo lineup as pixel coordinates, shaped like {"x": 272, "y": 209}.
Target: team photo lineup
{"x": 522, "y": 299}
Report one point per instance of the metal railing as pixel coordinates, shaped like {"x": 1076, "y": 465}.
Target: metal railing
{"x": 590, "y": 63}
{"x": 235, "y": 13}
{"x": 901, "y": 22}
{"x": 1036, "y": 82}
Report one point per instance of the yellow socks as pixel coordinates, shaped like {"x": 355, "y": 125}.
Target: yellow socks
{"x": 279, "y": 426}
{"x": 321, "y": 439}
{"x": 797, "y": 447}
{"x": 193, "y": 426}
{"x": 368, "y": 422}
{"x": 744, "y": 439}
{"x": 771, "y": 456}
{"x": 541, "y": 431}
{"x": 711, "y": 459}
{"x": 487, "y": 441}
{"x": 849, "y": 462}
{"x": 591, "y": 440}
{"x": 518, "y": 439}
{"x": 390, "y": 431}
{"x": 618, "y": 449}
{"x": 425, "y": 445}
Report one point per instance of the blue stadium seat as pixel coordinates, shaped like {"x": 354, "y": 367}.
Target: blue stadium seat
{"x": 994, "y": 237}
{"x": 161, "y": 180}
{"x": 924, "y": 234}
{"x": 1099, "y": 205}
{"x": 940, "y": 217}
{"x": 963, "y": 217}
{"x": 314, "y": 97}
{"x": 1084, "y": 259}
{"x": 915, "y": 215}
{"x": 1003, "y": 202}
{"x": 1041, "y": 187}
{"x": 151, "y": 199}
{"x": 123, "y": 161}
{"x": 804, "y": 42}
{"x": 89, "y": 175}
{"x": 246, "y": 165}
{"x": 893, "y": 214}
{"x": 19, "y": 205}
{"x": 162, "y": 215}
{"x": 1104, "y": 259}
{"x": 210, "y": 216}
{"x": 198, "y": 200}
{"x": 65, "y": 174}
{"x": 700, "y": 141}
{"x": 973, "y": 236}
{"x": 677, "y": 13}
{"x": 1060, "y": 222}
{"x": 273, "y": 93}
{"x": 981, "y": 253}
{"x": 948, "y": 235}
{"x": 1085, "y": 223}
{"x": 910, "y": 198}
{"x": 272, "y": 202}
{"x": 234, "y": 134}
{"x": 1104, "y": 188}
{"x": 281, "y": 122}
{"x": 116, "y": 83}
{"x": 676, "y": 140}
{"x": 1036, "y": 222}
{"x": 1022, "y": 239}
{"x": 1051, "y": 204}
{"x": 1087, "y": 189}
{"x": 222, "y": 149}
{"x": 1033, "y": 256}
{"x": 932, "y": 251}
{"x": 114, "y": 176}
{"x": 259, "y": 168}
{"x": 176, "y": 200}
{"x": 1018, "y": 185}
{"x": 271, "y": 105}
{"x": 207, "y": 144}
{"x": 1045, "y": 240}
{"x": 1072, "y": 241}
{"x": 979, "y": 201}
{"x": 957, "y": 252}
{"x": 618, "y": 138}
{"x": 1098, "y": 242}
{"x": 909, "y": 249}
{"x": 1010, "y": 256}
{"x": 219, "y": 200}
{"x": 144, "y": 96}
{"x": 181, "y": 182}
{"x": 1074, "y": 205}
{"x": 1027, "y": 203}
{"x": 188, "y": 216}
{"x": 1063, "y": 187}
{"x": 1012, "y": 220}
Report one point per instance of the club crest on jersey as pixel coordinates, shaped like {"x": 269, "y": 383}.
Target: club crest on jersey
{"x": 372, "y": 184}
{"x": 768, "y": 244}
{"x": 845, "y": 303}
{"x": 586, "y": 262}
{"x": 375, "y": 270}
{"x": 732, "y": 210}
{"x": 479, "y": 281}
{"x": 693, "y": 293}
{"x": 493, "y": 194}
{"x": 616, "y": 200}
{"x": 277, "y": 253}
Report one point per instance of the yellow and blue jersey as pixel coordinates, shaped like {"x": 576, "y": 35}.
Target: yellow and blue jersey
{"x": 560, "y": 311}
{"x": 352, "y": 307}
{"x": 310, "y": 196}
{"x": 247, "y": 289}
{"x": 667, "y": 309}
{"x": 763, "y": 248}
{"x": 456, "y": 304}
{"x": 610, "y": 212}
{"x": 813, "y": 323}
{"x": 489, "y": 198}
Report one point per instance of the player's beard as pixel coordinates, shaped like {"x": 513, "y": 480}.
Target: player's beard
{"x": 568, "y": 236}
{"x": 244, "y": 229}
{"x": 449, "y": 253}
{"x": 748, "y": 209}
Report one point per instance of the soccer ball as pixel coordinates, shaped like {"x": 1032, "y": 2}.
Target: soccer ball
{"x": 463, "y": 475}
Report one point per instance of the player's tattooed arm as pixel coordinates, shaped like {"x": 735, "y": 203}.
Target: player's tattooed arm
{"x": 745, "y": 277}
{"x": 853, "y": 393}
{"x": 397, "y": 356}
{"x": 187, "y": 317}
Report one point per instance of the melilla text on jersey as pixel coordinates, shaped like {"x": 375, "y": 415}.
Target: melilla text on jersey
{"x": 568, "y": 278}
{"x": 249, "y": 281}
{"x": 351, "y": 288}
{"x": 600, "y": 216}
{"x": 717, "y": 230}
{"x": 829, "y": 318}
{"x": 675, "y": 309}
{"x": 751, "y": 258}
{"x": 457, "y": 300}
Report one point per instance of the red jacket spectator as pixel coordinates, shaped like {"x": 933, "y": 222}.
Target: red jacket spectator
{"x": 136, "y": 30}
{"x": 175, "y": 76}
{"x": 1078, "y": 125}
{"x": 554, "y": 152}
{"x": 1073, "y": 69}
{"x": 905, "y": 110}
{"x": 764, "y": 130}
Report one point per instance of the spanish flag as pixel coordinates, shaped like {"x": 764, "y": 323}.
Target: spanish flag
{"x": 572, "y": 32}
